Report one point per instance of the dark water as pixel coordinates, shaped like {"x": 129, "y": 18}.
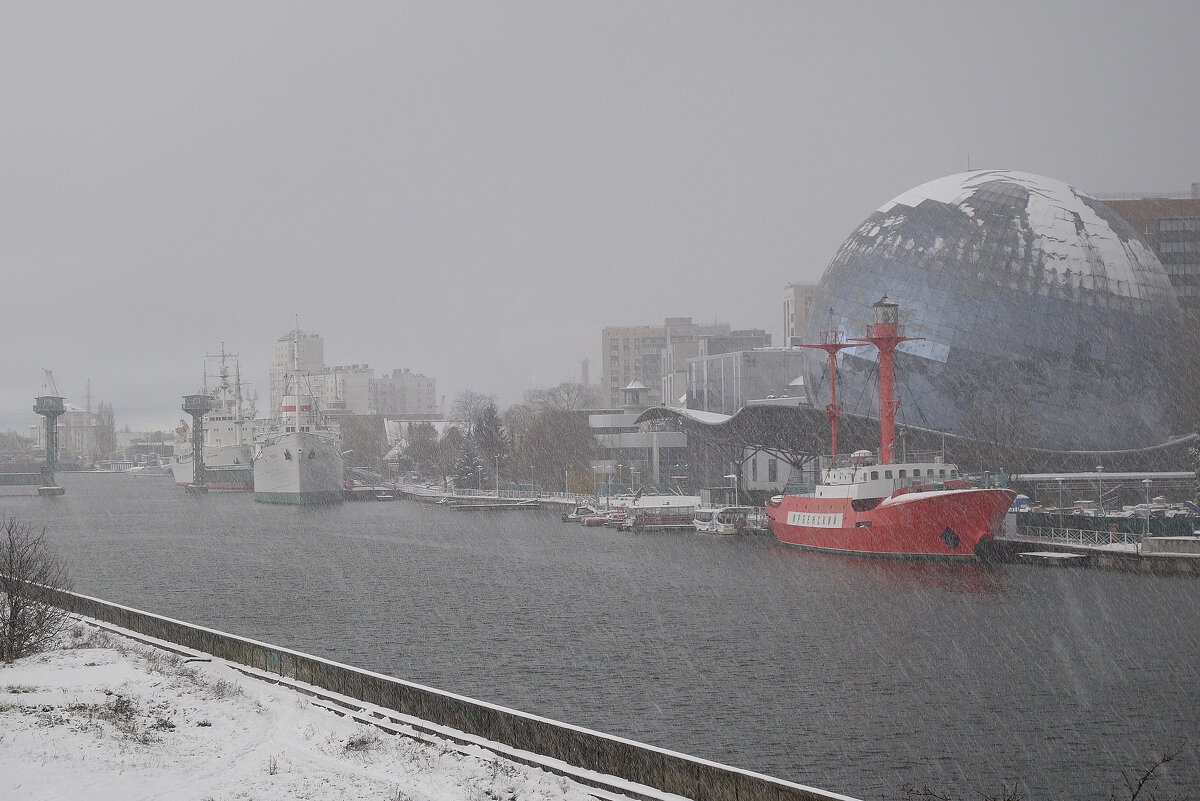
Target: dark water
{"x": 848, "y": 674}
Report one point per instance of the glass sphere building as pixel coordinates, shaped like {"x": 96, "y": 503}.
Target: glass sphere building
{"x": 1044, "y": 320}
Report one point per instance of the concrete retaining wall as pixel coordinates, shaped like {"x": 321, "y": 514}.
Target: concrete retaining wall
{"x": 654, "y": 767}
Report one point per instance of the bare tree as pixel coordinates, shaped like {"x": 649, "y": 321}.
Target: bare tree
{"x": 30, "y": 574}
{"x": 106, "y": 432}
{"x": 467, "y": 406}
{"x": 1135, "y": 783}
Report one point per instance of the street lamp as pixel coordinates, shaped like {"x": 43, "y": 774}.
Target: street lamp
{"x": 1060, "y": 507}
{"x": 497, "y": 475}
{"x": 567, "y": 481}
{"x": 1100, "y": 483}
{"x": 733, "y": 481}
{"x": 1147, "y": 482}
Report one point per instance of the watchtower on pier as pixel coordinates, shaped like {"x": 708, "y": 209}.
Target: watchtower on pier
{"x": 197, "y": 406}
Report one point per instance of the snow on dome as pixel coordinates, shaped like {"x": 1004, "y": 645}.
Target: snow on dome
{"x": 1031, "y": 299}
{"x": 1066, "y": 229}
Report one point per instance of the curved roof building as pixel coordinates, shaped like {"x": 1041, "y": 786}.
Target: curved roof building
{"x": 1045, "y": 321}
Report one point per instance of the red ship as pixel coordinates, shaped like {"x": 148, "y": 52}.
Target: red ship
{"x": 922, "y": 508}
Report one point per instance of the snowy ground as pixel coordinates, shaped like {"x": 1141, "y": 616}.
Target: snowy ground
{"x": 107, "y": 718}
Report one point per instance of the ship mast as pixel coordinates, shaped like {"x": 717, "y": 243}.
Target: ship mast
{"x": 832, "y": 341}
{"x": 296, "y": 372}
{"x": 885, "y": 334}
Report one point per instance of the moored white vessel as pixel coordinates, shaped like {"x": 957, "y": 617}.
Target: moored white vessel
{"x": 301, "y": 461}
{"x": 228, "y": 435}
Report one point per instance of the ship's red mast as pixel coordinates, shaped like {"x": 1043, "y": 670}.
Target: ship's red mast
{"x": 886, "y": 334}
{"x": 831, "y": 342}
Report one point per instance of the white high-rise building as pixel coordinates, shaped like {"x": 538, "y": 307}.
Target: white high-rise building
{"x": 297, "y": 350}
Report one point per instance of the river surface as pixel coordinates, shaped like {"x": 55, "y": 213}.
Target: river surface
{"x": 853, "y": 675}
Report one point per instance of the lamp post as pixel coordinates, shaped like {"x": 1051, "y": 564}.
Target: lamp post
{"x": 497, "y": 475}
{"x": 1100, "y": 483}
{"x": 567, "y": 481}
{"x": 733, "y": 481}
{"x": 1147, "y": 482}
{"x": 1060, "y": 507}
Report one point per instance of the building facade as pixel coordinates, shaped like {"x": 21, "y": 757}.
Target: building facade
{"x": 797, "y": 306}
{"x": 655, "y": 355}
{"x": 725, "y": 382}
{"x": 403, "y": 393}
{"x": 77, "y": 433}
{"x": 351, "y": 388}
{"x": 1170, "y": 225}
{"x": 295, "y": 350}
{"x": 681, "y": 351}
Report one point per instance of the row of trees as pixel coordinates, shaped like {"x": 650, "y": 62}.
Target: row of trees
{"x": 535, "y": 442}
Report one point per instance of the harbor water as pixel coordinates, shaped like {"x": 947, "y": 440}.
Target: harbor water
{"x": 854, "y": 675}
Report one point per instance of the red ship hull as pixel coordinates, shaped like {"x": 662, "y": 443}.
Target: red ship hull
{"x": 934, "y": 524}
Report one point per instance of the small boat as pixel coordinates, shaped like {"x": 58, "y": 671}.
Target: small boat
{"x": 660, "y": 513}
{"x": 724, "y": 520}
{"x": 578, "y": 513}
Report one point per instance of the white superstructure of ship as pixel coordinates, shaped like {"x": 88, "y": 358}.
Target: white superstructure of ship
{"x": 229, "y": 431}
{"x": 299, "y": 461}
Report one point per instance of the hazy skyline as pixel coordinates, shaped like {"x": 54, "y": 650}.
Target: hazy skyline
{"x": 473, "y": 191}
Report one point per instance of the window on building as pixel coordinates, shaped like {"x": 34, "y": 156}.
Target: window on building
{"x": 874, "y": 475}
{"x": 772, "y": 470}
{"x": 754, "y": 469}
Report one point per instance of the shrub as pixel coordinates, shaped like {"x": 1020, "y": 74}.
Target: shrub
{"x": 30, "y": 578}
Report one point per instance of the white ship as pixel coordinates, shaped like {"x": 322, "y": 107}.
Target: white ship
{"x": 300, "y": 462}
{"x": 228, "y": 434}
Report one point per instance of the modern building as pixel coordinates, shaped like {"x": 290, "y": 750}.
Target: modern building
{"x": 343, "y": 388}
{"x": 681, "y": 350}
{"x": 1043, "y": 318}
{"x": 658, "y": 458}
{"x": 628, "y": 353}
{"x": 1170, "y": 225}
{"x": 725, "y": 382}
{"x": 403, "y": 393}
{"x": 657, "y": 356}
{"x": 797, "y": 307}
{"x": 352, "y": 388}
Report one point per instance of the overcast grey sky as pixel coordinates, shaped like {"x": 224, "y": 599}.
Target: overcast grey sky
{"x": 474, "y": 191}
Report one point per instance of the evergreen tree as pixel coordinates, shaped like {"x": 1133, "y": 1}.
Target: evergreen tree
{"x": 492, "y": 440}
{"x": 1194, "y": 452}
{"x": 468, "y": 468}
{"x": 422, "y": 447}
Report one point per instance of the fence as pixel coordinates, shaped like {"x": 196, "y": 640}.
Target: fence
{"x": 612, "y": 756}
{"x": 1097, "y": 530}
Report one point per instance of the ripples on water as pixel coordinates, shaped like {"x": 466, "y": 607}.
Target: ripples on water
{"x": 854, "y": 675}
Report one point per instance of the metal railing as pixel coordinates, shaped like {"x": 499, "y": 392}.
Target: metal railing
{"x": 1091, "y": 538}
